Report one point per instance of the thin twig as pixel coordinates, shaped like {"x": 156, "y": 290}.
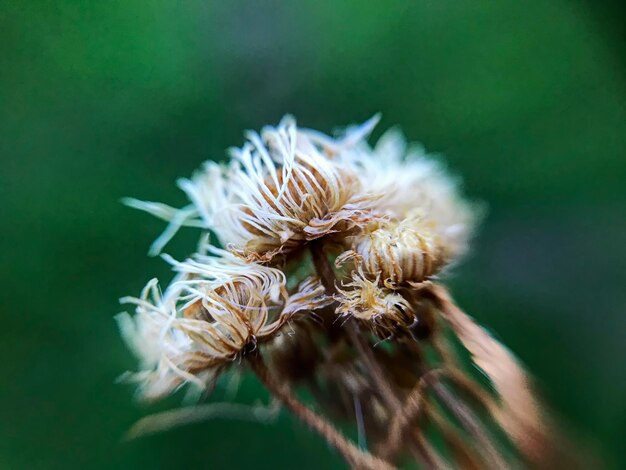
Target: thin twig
{"x": 164, "y": 421}
{"x": 405, "y": 415}
{"x": 377, "y": 374}
{"x": 428, "y": 454}
{"x": 520, "y": 414}
{"x": 322, "y": 267}
{"x": 360, "y": 424}
{"x": 471, "y": 423}
{"x": 356, "y": 457}
{"x": 464, "y": 456}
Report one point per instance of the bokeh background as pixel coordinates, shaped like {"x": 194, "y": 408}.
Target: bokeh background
{"x": 100, "y": 100}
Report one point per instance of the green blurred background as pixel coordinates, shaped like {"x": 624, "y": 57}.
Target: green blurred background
{"x": 100, "y": 100}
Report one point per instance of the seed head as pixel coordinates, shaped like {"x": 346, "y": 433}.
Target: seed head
{"x": 397, "y": 253}
{"x": 216, "y": 309}
{"x": 385, "y": 310}
{"x": 414, "y": 185}
{"x": 280, "y": 190}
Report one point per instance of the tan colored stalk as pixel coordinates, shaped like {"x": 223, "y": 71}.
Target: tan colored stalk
{"x": 471, "y": 424}
{"x": 519, "y": 412}
{"x": 464, "y": 456}
{"x": 427, "y": 453}
{"x": 404, "y": 418}
{"x": 356, "y": 458}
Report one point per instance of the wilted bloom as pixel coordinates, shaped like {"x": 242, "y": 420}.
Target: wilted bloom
{"x": 166, "y": 353}
{"x": 397, "y": 253}
{"x": 400, "y": 221}
{"x": 279, "y": 191}
{"x": 415, "y": 186}
{"x": 385, "y": 310}
{"x": 216, "y": 309}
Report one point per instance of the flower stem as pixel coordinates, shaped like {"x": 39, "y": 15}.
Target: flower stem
{"x": 518, "y": 412}
{"x": 403, "y": 418}
{"x": 353, "y": 455}
{"x": 322, "y": 266}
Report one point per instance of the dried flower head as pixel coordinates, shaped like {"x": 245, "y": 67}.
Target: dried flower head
{"x": 400, "y": 221}
{"x": 216, "y": 309}
{"x": 412, "y": 184}
{"x": 166, "y": 354}
{"x": 279, "y": 191}
{"x": 397, "y": 253}
{"x": 385, "y": 310}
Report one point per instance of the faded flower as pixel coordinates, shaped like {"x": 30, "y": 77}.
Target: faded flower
{"x": 385, "y": 310}
{"x": 416, "y": 186}
{"x": 396, "y": 253}
{"x": 216, "y": 309}
{"x": 275, "y": 301}
{"x": 279, "y": 191}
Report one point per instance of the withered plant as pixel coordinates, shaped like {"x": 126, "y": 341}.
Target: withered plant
{"x": 328, "y": 280}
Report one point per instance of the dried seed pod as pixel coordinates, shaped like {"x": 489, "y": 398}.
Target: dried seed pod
{"x": 280, "y": 190}
{"x": 397, "y": 253}
{"x": 386, "y": 310}
{"x": 410, "y": 180}
{"x": 218, "y": 308}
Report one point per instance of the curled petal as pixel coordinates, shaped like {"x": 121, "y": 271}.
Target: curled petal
{"x": 281, "y": 189}
{"x": 214, "y": 309}
{"x": 311, "y": 295}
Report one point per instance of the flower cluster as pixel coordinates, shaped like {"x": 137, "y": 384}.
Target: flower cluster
{"x": 329, "y": 247}
{"x": 389, "y": 214}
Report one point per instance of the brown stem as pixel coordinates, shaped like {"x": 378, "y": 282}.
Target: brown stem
{"x": 471, "y": 423}
{"x": 328, "y": 279}
{"x": 463, "y": 455}
{"x": 405, "y": 415}
{"x": 425, "y": 453}
{"x": 519, "y": 412}
{"x": 352, "y": 454}
{"x": 377, "y": 374}
{"x": 323, "y": 267}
